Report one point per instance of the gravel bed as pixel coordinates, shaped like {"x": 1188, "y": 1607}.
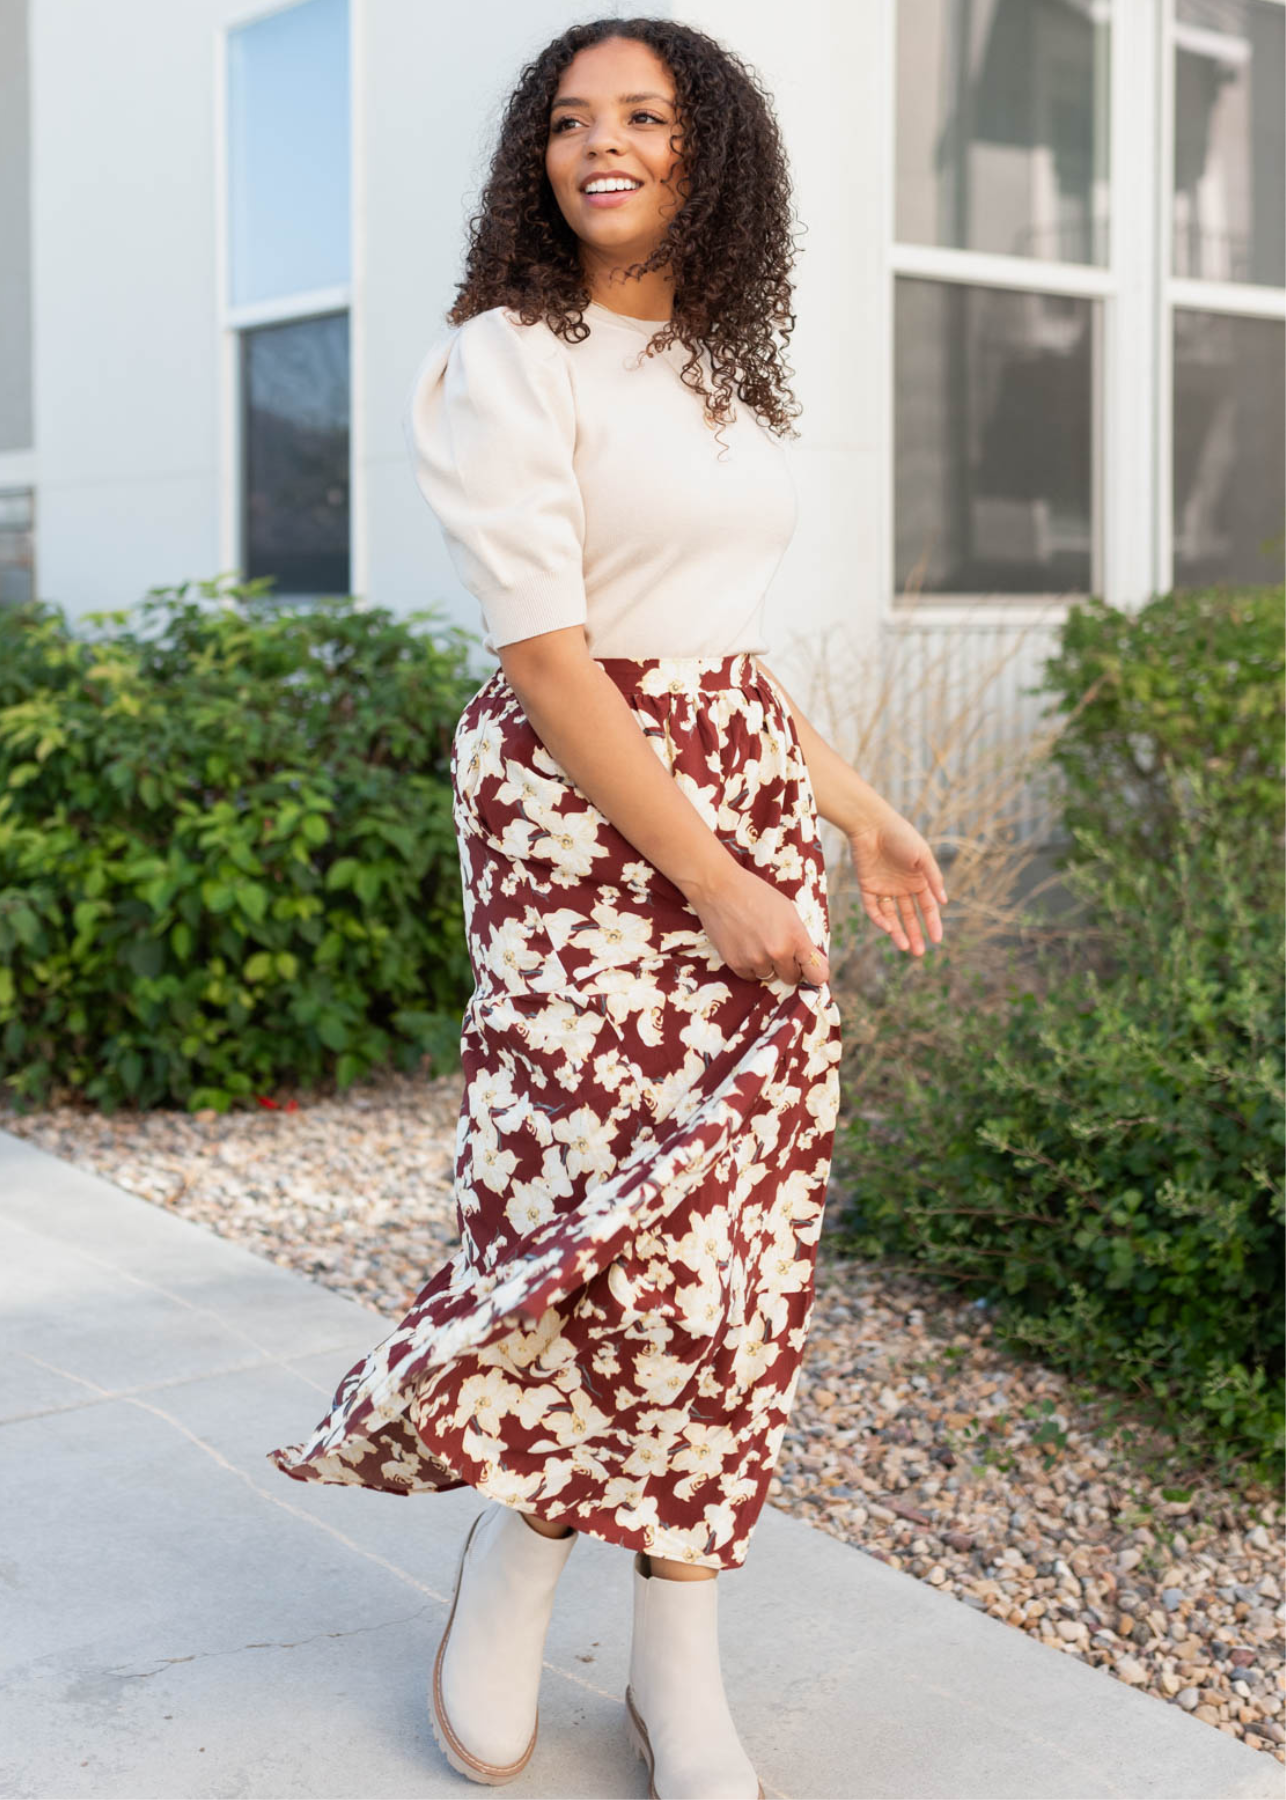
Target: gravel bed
{"x": 912, "y": 1437}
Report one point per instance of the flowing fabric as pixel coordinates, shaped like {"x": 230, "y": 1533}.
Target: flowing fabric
{"x": 642, "y": 1151}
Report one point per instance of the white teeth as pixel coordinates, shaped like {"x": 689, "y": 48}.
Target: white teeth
{"x": 612, "y": 187}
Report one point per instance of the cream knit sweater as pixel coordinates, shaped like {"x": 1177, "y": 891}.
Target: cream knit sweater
{"x": 576, "y": 488}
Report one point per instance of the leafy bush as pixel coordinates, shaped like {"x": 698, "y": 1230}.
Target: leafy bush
{"x": 1101, "y": 1155}
{"x": 1190, "y": 683}
{"x": 227, "y": 859}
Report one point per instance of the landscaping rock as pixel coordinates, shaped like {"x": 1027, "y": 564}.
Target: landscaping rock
{"x": 900, "y": 1384}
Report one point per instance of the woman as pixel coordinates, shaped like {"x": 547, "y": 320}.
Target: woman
{"x": 650, "y": 1053}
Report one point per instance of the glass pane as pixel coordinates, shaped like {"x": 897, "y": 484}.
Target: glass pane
{"x": 288, "y": 152}
{"x": 17, "y": 543}
{"x": 1229, "y": 449}
{"x": 1230, "y": 141}
{"x": 1002, "y": 126}
{"x": 993, "y": 429}
{"x": 295, "y": 388}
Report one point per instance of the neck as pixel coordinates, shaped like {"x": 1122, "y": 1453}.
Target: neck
{"x": 642, "y": 297}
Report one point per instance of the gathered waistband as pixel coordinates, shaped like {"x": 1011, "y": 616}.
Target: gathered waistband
{"x": 681, "y": 674}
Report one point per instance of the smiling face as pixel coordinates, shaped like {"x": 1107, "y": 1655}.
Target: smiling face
{"x": 613, "y": 115}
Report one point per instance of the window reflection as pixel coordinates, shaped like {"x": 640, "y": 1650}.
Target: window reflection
{"x": 17, "y": 539}
{"x": 1230, "y": 141}
{"x": 295, "y": 384}
{"x": 1229, "y": 449}
{"x": 1002, "y": 126}
{"x": 288, "y": 162}
{"x": 993, "y": 451}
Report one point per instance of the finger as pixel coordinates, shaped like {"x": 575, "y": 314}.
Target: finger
{"x": 813, "y": 965}
{"x": 874, "y": 907}
{"x": 891, "y": 922}
{"x": 911, "y": 924}
{"x": 874, "y": 912}
{"x": 937, "y": 885}
{"x": 932, "y": 917}
{"x": 899, "y": 930}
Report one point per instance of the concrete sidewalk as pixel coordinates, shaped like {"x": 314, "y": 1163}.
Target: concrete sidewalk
{"x": 181, "y": 1620}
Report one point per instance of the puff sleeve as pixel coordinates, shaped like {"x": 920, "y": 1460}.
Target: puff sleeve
{"x": 490, "y": 424}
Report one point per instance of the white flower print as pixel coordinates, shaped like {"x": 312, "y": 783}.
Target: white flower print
{"x": 641, "y": 1157}
{"x": 570, "y": 840}
{"x": 527, "y": 1205}
{"x": 648, "y": 1456}
{"x": 510, "y": 954}
{"x": 588, "y": 1142}
{"x": 564, "y": 1028}
{"x": 753, "y": 1355}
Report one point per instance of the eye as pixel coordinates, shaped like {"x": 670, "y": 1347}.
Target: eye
{"x": 568, "y": 119}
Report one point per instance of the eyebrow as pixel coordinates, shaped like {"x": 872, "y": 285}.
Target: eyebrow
{"x": 622, "y": 100}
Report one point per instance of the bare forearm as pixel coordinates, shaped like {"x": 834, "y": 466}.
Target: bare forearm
{"x": 842, "y": 795}
{"x": 588, "y": 727}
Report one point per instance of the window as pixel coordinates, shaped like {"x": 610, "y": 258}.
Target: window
{"x": 287, "y": 293}
{"x": 993, "y": 450}
{"x": 1227, "y": 292}
{"x": 1228, "y": 451}
{"x": 295, "y": 432}
{"x": 1002, "y": 237}
{"x": 1088, "y": 341}
{"x": 1001, "y": 128}
{"x": 1230, "y": 141}
{"x": 17, "y": 541}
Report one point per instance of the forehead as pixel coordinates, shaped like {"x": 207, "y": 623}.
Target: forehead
{"x": 617, "y": 71}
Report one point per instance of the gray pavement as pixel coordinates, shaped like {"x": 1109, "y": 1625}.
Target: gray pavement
{"x": 179, "y": 1619}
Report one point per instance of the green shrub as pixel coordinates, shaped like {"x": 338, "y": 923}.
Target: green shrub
{"x": 1101, "y": 1154}
{"x": 1189, "y": 683}
{"x": 227, "y": 859}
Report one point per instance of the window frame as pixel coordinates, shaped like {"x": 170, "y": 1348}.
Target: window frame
{"x": 1136, "y": 295}
{"x": 1247, "y": 300}
{"x": 232, "y": 321}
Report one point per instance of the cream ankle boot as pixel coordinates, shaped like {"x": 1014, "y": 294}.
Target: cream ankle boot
{"x": 675, "y": 1705}
{"x": 486, "y": 1676}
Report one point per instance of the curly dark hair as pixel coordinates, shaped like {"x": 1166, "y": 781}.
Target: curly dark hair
{"x": 729, "y": 244}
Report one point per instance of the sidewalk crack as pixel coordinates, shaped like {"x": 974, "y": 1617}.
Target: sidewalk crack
{"x": 169, "y": 1662}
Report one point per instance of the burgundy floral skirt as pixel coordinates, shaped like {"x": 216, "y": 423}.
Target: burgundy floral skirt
{"x": 642, "y": 1152}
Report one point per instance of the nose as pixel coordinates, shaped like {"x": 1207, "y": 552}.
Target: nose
{"x": 602, "y": 136}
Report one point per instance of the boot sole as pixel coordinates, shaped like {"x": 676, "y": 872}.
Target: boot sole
{"x": 460, "y": 1759}
{"x": 643, "y": 1748}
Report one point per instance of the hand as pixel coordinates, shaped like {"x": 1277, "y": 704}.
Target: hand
{"x": 757, "y": 931}
{"x": 895, "y": 867}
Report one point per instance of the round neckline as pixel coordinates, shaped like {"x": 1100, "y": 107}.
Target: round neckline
{"x": 605, "y": 312}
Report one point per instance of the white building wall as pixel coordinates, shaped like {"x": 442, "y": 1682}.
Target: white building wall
{"x": 124, "y": 369}
{"x": 133, "y": 371}
{"x": 430, "y": 91}
{"x": 132, "y": 375}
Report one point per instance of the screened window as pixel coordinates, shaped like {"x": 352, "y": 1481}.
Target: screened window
{"x": 1002, "y": 127}
{"x": 993, "y": 451}
{"x": 1227, "y": 293}
{"x": 1088, "y": 337}
{"x": 295, "y": 387}
{"x": 1229, "y": 448}
{"x": 1002, "y": 213}
{"x": 1230, "y": 141}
